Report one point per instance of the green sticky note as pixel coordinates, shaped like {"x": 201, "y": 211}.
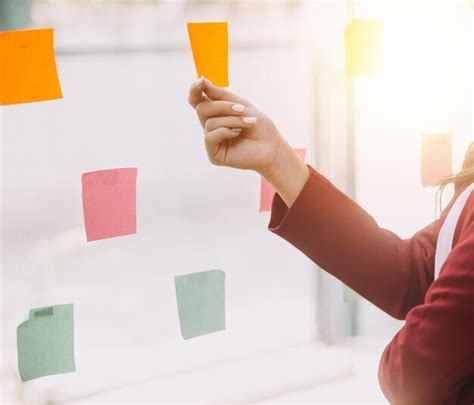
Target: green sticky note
{"x": 349, "y": 295}
{"x": 45, "y": 342}
{"x": 201, "y": 302}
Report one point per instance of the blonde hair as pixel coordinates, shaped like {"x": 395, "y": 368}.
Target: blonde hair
{"x": 462, "y": 179}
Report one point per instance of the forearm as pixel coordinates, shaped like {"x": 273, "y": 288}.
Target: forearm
{"x": 343, "y": 239}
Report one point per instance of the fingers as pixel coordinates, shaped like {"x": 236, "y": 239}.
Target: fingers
{"x": 229, "y": 122}
{"x": 195, "y": 95}
{"x": 219, "y": 93}
{"x": 210, "y": 108}
{"x": 214, "y": 138}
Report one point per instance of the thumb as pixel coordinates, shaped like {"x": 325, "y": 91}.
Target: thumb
{"x": 218, "y": 93}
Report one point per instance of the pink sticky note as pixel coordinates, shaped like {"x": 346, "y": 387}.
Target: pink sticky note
{"x": 109, "y": 203}
{"x": 267, "y": 191}
{"x": 436, "y": 158}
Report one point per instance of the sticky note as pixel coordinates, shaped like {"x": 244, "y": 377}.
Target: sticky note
{"x": 267, "y": 192}
{"x": 45, "y": 342}
{"x": 109, "y": 203}
{"x": 28, "y": 67}
{"x": 363, "y": 40}
{"x": 201, "y": 302}
{"x": 436, "y": 158}
{"x": 209, "y": 44}
{"x": 348, "y": 294}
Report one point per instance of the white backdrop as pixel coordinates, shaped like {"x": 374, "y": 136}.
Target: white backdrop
{"x": 127, "y": 110}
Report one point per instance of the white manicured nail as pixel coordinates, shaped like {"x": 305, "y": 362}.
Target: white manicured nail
{"x": 199, "y": 81}
{"x": 250, "y": 120}
{"x": 236, "y": 130}
{"x": 238, "y": 107}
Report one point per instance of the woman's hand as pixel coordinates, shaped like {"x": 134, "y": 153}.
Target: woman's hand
{"x": 238, "y": 135}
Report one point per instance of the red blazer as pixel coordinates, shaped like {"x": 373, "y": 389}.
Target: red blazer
{"x": 430, "y": 361}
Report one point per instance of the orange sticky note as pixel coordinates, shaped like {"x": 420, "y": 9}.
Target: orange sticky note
{"x": 209, "y": 44}
{"x": 363, "y": 39}
{"x": 267, "y": 192}
{"x": 28, "y": 67}
{"x": 436, "y": 158}
{"x": 109, "y": 203}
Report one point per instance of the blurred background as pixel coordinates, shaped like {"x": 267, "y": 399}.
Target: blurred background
{"x": 125, "y": 67}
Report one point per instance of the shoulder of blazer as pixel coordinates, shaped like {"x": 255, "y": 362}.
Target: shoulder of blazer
{"x": 452, "y": 228}
{"x": 465, "y": 219}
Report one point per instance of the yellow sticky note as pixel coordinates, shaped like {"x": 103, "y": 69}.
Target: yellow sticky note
{"x": 28, "y": 67}
{"x": 209, "y": 44}
{"x": 363, "y": 40}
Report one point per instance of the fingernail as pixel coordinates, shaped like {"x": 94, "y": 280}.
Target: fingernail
{"x": 238, "y": 107}
{"x": 199, "y": 81}
{"x": 236, "y": 130}
{"x": 250, "y": 120}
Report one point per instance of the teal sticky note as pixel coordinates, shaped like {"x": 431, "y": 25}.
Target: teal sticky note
{"x": 201, "y": 302}
{"x": 349, "y": 295}
{"x": 45, "y": 342}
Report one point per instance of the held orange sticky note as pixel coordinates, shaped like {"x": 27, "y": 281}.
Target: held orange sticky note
{"x": 209, "y": 44}
{"x": 28, "y": 67}
{"x": 363, "y": 39}
{"x": 109, "y": 203}
{"x": 436, "y": 158}
{"x": 267, "y": 191}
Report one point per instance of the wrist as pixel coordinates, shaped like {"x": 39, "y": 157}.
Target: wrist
{"x": 288, "y": 174}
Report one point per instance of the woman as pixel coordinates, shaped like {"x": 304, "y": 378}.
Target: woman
{"x": 431, "y": 359}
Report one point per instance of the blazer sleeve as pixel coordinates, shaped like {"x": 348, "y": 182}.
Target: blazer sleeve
{"x": 343, "y": 239}
{"x": 431, "y": 359}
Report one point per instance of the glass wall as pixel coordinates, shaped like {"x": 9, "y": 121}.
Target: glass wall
{"x": 125, "y": 68}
